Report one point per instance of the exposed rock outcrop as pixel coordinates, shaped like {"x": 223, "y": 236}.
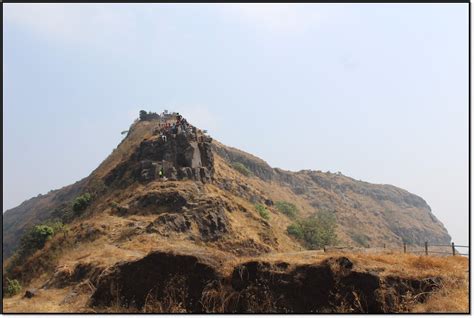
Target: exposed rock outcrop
{"x": 334, "y": 285}
{"x": 280, "y": 287}
{"x": 179, "y": 156}
{"x": 208, "y": 216}
{"x": 132, "y": 283}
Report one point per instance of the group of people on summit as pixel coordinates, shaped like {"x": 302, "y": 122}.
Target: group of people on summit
{"x": 180, "y": 126}
{"x": 171, "y": 125}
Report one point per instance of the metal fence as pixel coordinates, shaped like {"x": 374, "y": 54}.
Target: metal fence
{"x": 438, "y": 249}
{"x": 451, "y": 249}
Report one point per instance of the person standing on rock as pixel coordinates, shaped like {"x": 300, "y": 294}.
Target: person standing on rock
{"x": 160, "y": 174}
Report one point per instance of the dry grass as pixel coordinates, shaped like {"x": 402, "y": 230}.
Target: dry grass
{"x": 392, "y": 263}
{"x": 452, "y": 297}
{"x": 47, "y": 301}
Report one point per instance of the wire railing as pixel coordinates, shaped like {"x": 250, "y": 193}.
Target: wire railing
{"x": 439, "y": 249}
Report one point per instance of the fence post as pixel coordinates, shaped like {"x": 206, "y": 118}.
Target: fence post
{"x": 324, "y": 248}
{"x": 384, "y": 245}
{"x": 404, "y": 247}
{"x": 454, "y": 250}
{"x": 426, "y": 248}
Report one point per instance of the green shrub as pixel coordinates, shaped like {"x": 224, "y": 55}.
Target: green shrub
{"x": 287, "y": 208}
{"x": 262, "y": 211}
{"x": 35, "y": 238}
{"x": 295, "y": 230}
{"x": 81, "y": 203}
{"x": 316, "y": 231}
{"x": 63, "y": 213}
{"x": 96, "y": 187}
{"x": 13, "y": 287}
{"x": 143, "y": 114}
{"x": 56, "y": 225}
{"x": 240, "y": 167}
{"x": 360, "y": 239}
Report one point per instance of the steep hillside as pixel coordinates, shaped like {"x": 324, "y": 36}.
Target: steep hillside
{"x": 33, "y": 211}
{"x": 176, "y": 191}
{"x": 379, "y": 213}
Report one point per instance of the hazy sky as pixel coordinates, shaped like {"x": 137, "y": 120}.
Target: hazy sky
{"x": 376, "y": 91}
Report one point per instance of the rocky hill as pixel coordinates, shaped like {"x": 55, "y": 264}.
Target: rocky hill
{"x": 175, "y": 189}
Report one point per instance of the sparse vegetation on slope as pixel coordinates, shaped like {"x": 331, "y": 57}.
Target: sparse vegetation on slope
{"x": 287, "y": 208}
{"x": 361, "y": 239}
{"x": 34, "y": 240}
{"x": 262, "y": 211}
{"x": 12, "y": 287}
{"x": 315, "y": 232}
{"x": 37, "y": 236}
{"x": 240, "y": 167}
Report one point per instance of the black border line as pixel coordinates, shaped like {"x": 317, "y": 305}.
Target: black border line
{"x": 335, "y": 2}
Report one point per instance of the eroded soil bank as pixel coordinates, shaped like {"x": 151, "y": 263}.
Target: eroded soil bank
{"x": 169, "y": 282}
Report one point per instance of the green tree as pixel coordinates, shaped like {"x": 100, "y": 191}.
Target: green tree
{"x": 81, "y": 203}
{"x": 35, "y": 239}
{"x": 287, "y": 208}
{"x": 316, "y": 231}
{"x": 143, "y": 114}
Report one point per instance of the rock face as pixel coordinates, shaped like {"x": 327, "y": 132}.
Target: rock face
{"x": 181, "y": 207}
{"x": 182, "y": 156}
{"x": 277, "y": 287}
{"x": 211, "y": 222}
{"x": 255, "y": 286}
{"x": 154, "y": 277}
